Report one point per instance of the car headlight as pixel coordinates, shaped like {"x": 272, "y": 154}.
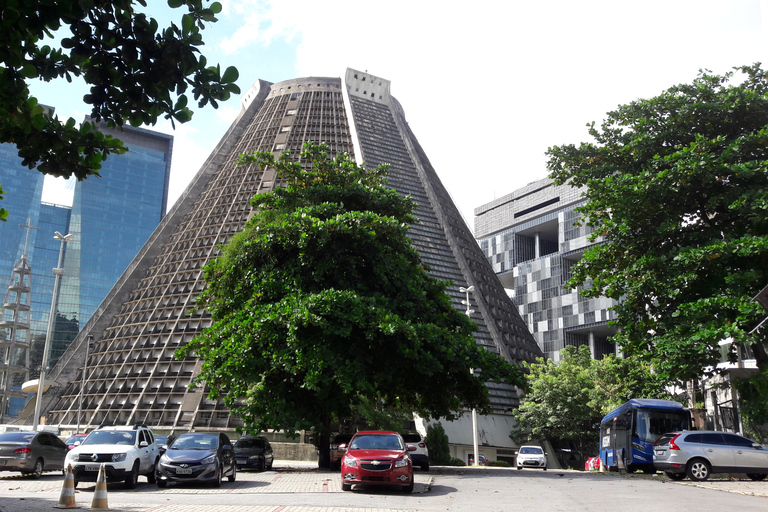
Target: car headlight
{"x": 350, "y": 461}
{"x": 254, "y": 457}
{"x": 209, "y": 460}
{"x": 71, "y": 457}
{"x": 118, "y": 457}
{"x": 401, "y": 463}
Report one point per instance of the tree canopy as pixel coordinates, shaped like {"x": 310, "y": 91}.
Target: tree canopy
{"x": 137, "y": 72}
{"x": 321, "y": 304}
{"x": 676, "y": 191}
{"x": 566, "y": 400}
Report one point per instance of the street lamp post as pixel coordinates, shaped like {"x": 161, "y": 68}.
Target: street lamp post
{"x": 472, "y": 372}
{"x": 58, "y": 272}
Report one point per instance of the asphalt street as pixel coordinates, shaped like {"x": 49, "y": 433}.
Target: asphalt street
{"x": 301, "y": 487}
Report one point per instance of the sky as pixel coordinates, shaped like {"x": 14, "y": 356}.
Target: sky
{"x": 487, "y": 86}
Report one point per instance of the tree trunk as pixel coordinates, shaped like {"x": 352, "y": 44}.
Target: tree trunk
{"x": 324, "y": 444}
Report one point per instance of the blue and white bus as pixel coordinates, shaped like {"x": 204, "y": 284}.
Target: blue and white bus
{"x": 628, "y": 432}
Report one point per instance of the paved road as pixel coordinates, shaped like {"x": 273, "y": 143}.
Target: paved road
{"x": 300, "y": 487}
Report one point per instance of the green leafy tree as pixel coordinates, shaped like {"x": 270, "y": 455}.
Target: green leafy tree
{"x": 567, "y": 399}
{"x": 137, "y": 72}
{"x": 438, "y": 443}
{"x": 676, "y": 190}
{"x": 321, "y": 304}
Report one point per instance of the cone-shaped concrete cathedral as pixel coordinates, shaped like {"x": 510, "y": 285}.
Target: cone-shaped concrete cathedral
{"x": 131, "y": 375}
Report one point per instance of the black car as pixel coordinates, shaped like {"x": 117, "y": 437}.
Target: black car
{"x": 197, "y": 457}
{"x": 254, "y": 452}
{"x": 163, "y": 442}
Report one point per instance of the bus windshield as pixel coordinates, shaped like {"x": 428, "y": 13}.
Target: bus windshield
{"x": 651, "y": 424}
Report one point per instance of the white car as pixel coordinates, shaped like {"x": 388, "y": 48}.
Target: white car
{"x": 125, "y": 452}
{"x": 531, "y": 457}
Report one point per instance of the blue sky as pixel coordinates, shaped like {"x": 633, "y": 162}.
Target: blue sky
{"x": 487, "y": 86}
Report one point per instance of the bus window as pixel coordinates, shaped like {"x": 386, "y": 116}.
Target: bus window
{"x": 651, "y": 424}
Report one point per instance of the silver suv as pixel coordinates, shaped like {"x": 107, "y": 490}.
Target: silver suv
{"x": 699, "y": 453}
{"x": 125, "y": 452}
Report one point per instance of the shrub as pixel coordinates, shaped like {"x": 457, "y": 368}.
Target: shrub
{"x": 499, "y": 463}
{"x": 455, "y": 462}
{"x": 437, "y": 441}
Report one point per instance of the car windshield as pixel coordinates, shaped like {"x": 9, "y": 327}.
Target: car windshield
{"x": 376, "y": 442}
{"x": 16, "y": 437}
{"x": 249, "y": 442}
{"x": 111, "y": 437}
{"x": 529, "y": 450}
{"x": 196, "y": 442}
{"x": 412, "y": 438}
{"x": 74, "y": 438}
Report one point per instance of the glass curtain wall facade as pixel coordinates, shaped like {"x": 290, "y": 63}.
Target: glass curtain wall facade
{"x": 532, "y": 238}
{"x": 131, "y": 374}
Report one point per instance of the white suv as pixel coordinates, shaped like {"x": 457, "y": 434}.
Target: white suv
{"x": 125, "y": 452}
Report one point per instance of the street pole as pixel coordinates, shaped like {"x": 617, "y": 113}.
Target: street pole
{"x": 472, "y": 372}
{"x": 58, "y": 272}
{"x": 82, "y": 382}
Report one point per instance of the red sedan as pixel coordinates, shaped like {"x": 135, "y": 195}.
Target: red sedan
{"x": 377, "y": 458}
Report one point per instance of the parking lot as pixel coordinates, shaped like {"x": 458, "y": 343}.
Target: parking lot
{"x": 301, "y": 487}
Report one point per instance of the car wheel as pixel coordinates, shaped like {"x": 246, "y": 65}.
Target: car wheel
{"x": 269, "y": 466}
{"x": 133, "y": 477}
{"x": 756, "y": 476}
{"x": 37, "y": 470}
{"x": 151, "y": 476}
{"x": 519, "y": 468}
{"x": 544, "y": 468}
{"x": 698, "y": 470}
{"x": 162, "y": 484}
{"x": 408, "y": 488}
{"x": 425, "y": 466}
{"x": 346, "y": 487}
{"x": 217, "y": 479}
{"x": 674, "y": 476}
{"x": 233, "y": 476}
{"x": 74, "y": 484}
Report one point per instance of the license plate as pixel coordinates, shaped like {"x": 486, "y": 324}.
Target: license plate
{"x": 241, "y": 461}
{"x": 183, "y": 471}
{"x": 659, "y": 452}
{"x": 2, "y": 462}
{"x": 92, "y": 467}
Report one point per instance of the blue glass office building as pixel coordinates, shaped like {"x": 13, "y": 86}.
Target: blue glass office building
{"x": 112, "y": 218}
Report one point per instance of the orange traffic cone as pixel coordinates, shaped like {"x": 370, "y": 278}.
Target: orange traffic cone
{"x": 100, "y": 494}
{"x": 67, "y": 498}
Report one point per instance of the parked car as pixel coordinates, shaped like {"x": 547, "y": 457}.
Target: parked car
{"x": 419, "y": 456}
{"x": 163, "y": 442}
{"x": 75, "y": 440}
{"x": 126, "y": 452}
{"x": 339, "y": 448}
{"x": 531, "y": 457}
{"x": 377, "y": 457}
{"x": 481, "y": 462}
{"x": 198, "y": 457}
{"x": 697, "y": 454}
{"x": 31, "y": 453}
{"x": 254, "y": 452}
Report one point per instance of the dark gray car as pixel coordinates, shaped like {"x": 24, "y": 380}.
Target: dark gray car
{"x": 197, "y": 457}
{"x": 31, "y": 453}
{"x": 254, "y": 452}
{"x": 699, "y": 453}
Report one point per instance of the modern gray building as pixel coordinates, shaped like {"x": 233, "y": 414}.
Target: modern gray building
{"x": 131, "y": 374}
{"x": 532, "y": 238}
